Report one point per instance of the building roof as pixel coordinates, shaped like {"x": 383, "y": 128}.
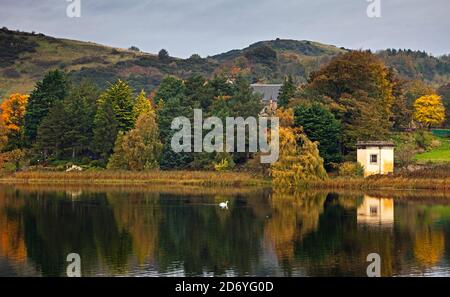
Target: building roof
{"x": 375, "y": 143}
{"x": 268, "y": 91}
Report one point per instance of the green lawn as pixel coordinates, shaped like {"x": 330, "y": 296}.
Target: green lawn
{"x": 437, "y": 155}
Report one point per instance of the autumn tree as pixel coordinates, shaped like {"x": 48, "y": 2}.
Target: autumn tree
{"x": 140, "y": 148}
{"x": 141, "y": 105}
{"x": 3, "y": 142}
{"x": 299, "y": 159}
{"x": 401, "y": 110}
{"x": 415, "y": 89}
{"x": 429, "y": 110}
{"x": 13, "y": 115}
{"x": 53, "y": 88}
{"x": 358, "y": 89}
{"x": 444, "y": 92}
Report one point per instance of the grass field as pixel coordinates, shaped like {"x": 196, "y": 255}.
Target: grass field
{"x": 440, "y": 154}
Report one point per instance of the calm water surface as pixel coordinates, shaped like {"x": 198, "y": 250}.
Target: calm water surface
{"x": 160, "y": 232}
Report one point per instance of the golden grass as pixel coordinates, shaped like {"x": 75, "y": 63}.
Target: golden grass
{"x": 381, "y": 183}
{"x": 205, "y": 179}
{"x": 169, "y": 178}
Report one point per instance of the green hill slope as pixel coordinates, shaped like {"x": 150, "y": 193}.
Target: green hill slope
{"x": 25, "y": 57}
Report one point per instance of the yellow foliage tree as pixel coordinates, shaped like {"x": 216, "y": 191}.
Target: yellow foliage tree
{"x": 429, "y": 110}
{"x": 140, "y": 148}
{"x": 142, "y": 105}
{"x": 299, "y": 158}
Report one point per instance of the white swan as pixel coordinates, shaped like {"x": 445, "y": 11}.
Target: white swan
{"x": 223, "y": 205}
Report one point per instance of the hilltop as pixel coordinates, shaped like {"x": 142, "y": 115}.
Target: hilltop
{"x": 26, "y": 57}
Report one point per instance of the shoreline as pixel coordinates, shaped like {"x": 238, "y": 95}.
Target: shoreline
{"x": 128, "y": 178}
{"x": 217, "y": 179}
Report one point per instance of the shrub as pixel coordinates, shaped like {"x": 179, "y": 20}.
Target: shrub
{"x": 226, "y": 162}
{"x": 224, "y": 165}
{"x": 404, "y": 154}
{"x": 423, "y": 139}
{"x": 351, "y": 169}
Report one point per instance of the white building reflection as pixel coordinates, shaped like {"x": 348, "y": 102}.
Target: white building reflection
{"x": 376, "y": 212}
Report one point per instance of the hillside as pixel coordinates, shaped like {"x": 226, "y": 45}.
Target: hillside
{"x": 25, "y": 57}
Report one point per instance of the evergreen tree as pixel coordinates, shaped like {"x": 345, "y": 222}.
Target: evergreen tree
{"x": 287, "y": 92}
{"x": 170, "y": 87}
{"x": 51, "y": 135}
{"x": 244, "y": 103}
{"x": 66, "y": 131}
{"x": 80, "y": 106}
{"x": 120, "y": 96}
{"x": 320, "y": 125}
{"x": 106, "y": 128}
{"x": 172, "y": 93}
{"x": 51, "y": 89}
{"x": 199, "y": 92}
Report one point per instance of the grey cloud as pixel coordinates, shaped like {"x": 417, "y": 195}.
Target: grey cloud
{"x": 208, "y": 27}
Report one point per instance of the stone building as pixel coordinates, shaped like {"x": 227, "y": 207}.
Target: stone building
{"x": 377, "y": 157}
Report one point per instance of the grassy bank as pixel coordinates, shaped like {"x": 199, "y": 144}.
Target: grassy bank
{"x": 382, "y": 183}
{"x": 440, "y": 154}
{"x": 106, "y": 177}
{"x": 433, "y": 179}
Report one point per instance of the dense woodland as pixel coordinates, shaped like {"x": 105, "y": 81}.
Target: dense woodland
{"x": 353, "y": 96}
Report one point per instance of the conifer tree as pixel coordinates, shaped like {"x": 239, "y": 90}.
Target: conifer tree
{"x": 120, "y": 96}
{"x": 51, "y": 89}
{"x": 106, "y": 128}
{"x": 320, "y": 125}
{"x": 287, "y": 92}
{"x": 51, "y": 137}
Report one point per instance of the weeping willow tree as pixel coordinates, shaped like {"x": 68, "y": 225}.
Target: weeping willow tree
{"x": 299, "y": 159}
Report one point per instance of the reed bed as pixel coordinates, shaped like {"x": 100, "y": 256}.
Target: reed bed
{"x": 229, "y": 180}
{"x": 169, "y": 178}
{"x": 387, "y": 182}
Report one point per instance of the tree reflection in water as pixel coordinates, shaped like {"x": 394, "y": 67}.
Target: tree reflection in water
{"x": 129, "y": 232}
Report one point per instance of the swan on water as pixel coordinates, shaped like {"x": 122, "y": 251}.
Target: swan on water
{"x": 223, "y": 204}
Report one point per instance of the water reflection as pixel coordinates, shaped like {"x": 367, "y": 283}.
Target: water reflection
{"x": 376, "y": 211}
{"x": 159, "y": 232}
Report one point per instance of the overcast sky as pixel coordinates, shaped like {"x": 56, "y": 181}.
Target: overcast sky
{"x": 208, "y": 27}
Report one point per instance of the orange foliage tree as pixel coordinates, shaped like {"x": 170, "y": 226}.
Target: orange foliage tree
{"x": 12, "y": 115}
